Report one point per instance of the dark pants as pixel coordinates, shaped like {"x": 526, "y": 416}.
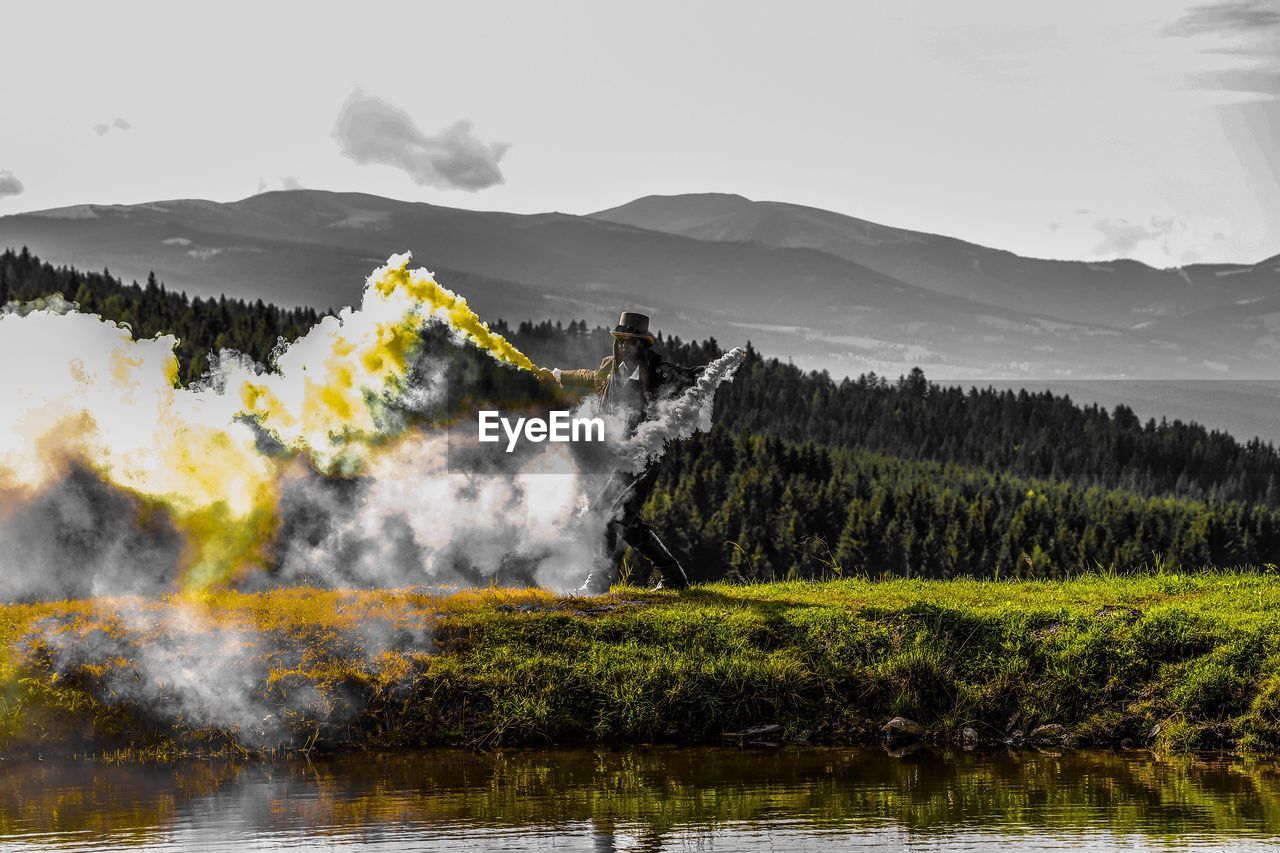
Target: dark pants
{"x": 621, "y": 500}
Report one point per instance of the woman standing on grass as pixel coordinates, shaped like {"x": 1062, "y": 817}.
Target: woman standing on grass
{"x": 629, "y": 381}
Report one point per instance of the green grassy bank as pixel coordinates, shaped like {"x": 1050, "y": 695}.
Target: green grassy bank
{"x": 1174, "y": 662}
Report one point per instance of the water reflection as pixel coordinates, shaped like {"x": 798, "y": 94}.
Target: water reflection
{"x": 645, "y": 800}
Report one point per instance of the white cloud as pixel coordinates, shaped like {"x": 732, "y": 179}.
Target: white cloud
{"x": 1161, "y": 240}
{"x": 370, "y": 130}
{"x": 1247, "y": 34}
{"x": 9, "y": 184}
{"x": 102, "y": 129}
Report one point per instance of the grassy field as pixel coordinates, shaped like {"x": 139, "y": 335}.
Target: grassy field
{"x": 1175, "y": 662}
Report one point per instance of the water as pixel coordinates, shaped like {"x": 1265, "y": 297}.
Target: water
{"x": 646, "y": 800}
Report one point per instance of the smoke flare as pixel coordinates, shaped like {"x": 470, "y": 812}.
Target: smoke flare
{"x": 681, "y": 415}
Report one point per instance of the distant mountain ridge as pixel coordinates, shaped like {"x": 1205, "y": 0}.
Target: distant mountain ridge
{"x": 828, "y": 291}
{"x": 1072, "y": 291}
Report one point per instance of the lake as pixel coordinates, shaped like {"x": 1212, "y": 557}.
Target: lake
{"x": 646, "y": 800}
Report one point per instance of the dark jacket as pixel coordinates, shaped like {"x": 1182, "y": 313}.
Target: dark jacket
{"x": 657, "y": 375}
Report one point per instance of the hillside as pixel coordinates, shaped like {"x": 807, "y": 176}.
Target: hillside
{"x": 810, "y": 304}
{"x": 1196, "y": 299}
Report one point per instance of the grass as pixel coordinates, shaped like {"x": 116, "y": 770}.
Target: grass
{"x": 1175, "y": 662}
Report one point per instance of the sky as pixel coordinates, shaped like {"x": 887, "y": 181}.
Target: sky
{"x": 1084, "y": 129}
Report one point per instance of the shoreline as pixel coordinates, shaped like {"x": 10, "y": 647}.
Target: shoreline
{"x": 1167, "y": 662}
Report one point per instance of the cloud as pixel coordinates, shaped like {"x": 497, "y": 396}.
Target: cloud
{"x": 1120, "y": 236}
{"x": 103, "y": 128}
{"x": 370, "y": 130}
{"x": 1248, "y": 30}
{"x": 1234, "y": 16}
{"x": 1160, "y": 240}
{"x": 9, "y": 184}
{"x": 291, "y": 182}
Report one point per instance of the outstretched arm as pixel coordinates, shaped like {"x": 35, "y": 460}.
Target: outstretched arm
{"x": 583, "y": 379}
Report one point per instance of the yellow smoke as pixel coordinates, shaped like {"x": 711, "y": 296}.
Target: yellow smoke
{"x": 448, "y": 306}
{"x": 316, "y": 397}
{"x": 82, "y": 389}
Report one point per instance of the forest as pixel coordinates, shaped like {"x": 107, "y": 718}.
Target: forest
{"x": 202, "y": 326}
{"x": 806, "y": 476}
{"x": 1036, "y": 434}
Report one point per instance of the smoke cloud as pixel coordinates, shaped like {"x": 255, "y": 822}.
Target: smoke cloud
{"x": 185, "y": 667}
{"x": 83, "y": 538}
{"x": 681, "y": 415}
{"x": 9, "y": 184}
{"x": 328, "y": 467}
{"x": 371, "y": 131}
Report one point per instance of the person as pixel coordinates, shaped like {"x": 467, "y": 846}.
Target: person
{"x": 629, "y": 381}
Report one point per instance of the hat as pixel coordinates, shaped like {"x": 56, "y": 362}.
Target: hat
{"x": 632, "y": 325}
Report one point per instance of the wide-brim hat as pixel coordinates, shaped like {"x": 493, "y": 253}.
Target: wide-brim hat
{"x": 632, "y": 325}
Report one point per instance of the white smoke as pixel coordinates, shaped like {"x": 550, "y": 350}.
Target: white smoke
{"x": 327, "y": 467}
{"x": 409, "y": 520}
{"x": 179, "y": 668}
{"x": 681, "y": 415}
{"x": 412, "y": 519}
{"x": 423, "y": 515}
{"x": 179, "y": 665}
{"x": 83, "y": 538}
{"x": 105, "y": 462}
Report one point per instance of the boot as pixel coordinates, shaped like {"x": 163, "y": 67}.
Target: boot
{"x": 604, "y": 571}
{"x": 597, "y": 583}
{"x": 646, "y": 541}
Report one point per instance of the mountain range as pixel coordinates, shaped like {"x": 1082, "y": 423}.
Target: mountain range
{"x": 826, "y": 290}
